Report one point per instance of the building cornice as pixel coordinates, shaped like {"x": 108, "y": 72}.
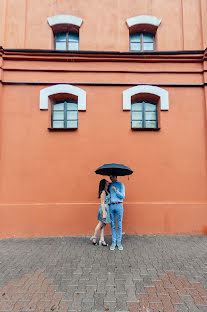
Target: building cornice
{"x": 102, "y": 56}
{"x": 160, "y": 68}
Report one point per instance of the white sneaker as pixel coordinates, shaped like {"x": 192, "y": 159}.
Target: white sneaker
{"x": 120, "y": 247}
{"x": 113, "y": 245}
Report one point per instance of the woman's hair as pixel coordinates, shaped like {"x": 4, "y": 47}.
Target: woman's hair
{"x": 102, "y": 185}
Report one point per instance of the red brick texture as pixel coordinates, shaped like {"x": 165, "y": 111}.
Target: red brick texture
{"x": 162, "y": 294}
{"x": 32, "y": 293}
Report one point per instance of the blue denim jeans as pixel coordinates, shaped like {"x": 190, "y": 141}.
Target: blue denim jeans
{"x": 116, "y": 212}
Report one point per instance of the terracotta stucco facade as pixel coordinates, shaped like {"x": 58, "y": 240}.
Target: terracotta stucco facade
{"x": 47, "y": 184}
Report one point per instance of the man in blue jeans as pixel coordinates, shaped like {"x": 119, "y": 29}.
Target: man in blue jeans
{"x": 117, "y": 191}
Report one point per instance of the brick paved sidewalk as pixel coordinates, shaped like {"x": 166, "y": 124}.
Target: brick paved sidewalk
{"x": 151, "y": 274}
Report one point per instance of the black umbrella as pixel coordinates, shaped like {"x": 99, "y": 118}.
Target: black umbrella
{"x": 114, "y": 169}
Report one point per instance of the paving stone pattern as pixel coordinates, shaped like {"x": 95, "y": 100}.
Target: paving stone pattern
{"x": 151, "y": 274}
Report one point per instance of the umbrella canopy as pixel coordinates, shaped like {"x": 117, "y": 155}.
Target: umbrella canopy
{"x": 114, "y": 169}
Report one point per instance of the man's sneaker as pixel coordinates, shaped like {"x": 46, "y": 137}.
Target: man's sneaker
{"x": 120, "y": 247}
{"x": 113, "y": 245}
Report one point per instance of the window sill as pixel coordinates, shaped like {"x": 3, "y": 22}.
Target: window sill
{"x": 145, "y": 129}
{"x": 62, "y": 129}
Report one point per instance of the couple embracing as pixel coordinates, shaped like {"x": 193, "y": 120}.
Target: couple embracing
{"x": 111, "y": 195}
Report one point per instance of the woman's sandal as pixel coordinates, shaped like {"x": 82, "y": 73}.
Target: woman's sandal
{"x": 93, "y": 239}
{"x": 103, "y": 243}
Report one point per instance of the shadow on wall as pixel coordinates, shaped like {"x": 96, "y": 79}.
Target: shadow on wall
{"x": 205, "y": 230}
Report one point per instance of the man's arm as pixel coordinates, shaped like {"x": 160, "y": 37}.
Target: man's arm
{"x": 121, "y": 193}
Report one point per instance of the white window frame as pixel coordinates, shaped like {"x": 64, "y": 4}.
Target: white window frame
{"x": 62, "y": 88}
{"x": 64, "y": 20}
{"x": 146, "y": 89}
{"x": 143, "y": 20}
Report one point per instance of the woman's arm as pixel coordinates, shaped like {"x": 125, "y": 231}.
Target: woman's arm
{"x": 103, "y": 197}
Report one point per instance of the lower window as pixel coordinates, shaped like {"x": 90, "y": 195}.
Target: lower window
{"x": 65, "y": 115}
{"x": 144, "y": 115}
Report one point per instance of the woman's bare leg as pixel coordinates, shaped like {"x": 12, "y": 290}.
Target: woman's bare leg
{"x": 102, "y": 232}
{"x": 97, "y": 229}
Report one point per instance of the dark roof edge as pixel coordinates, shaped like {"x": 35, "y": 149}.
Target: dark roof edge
{"x": 80, "y": 52}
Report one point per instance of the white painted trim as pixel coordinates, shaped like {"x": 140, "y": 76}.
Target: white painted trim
{"x": 161, "y": 93}
{"x": 64, "y": 19}
{"x": 63, "y": 88}
{"x": 143, "y": 19}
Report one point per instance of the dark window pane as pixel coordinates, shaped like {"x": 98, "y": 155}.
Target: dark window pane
{"x": 135, "y": 37}
{"x": 73, "y": 37}
{"x": 148, "y": 37}
{"x": 60, "y": 37}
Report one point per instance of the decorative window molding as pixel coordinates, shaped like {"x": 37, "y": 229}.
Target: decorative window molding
{"x": 140, "y": 20}
{"x": 64, "y": 20}
{"x": 145, "y": 89}
{"x": 63, "y": 89}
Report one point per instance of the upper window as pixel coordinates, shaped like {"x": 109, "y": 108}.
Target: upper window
{"x": 66, "y": 41}
{"x": 143, "y": 115}
{"x": 141, "y": 42}
{"x": 142, "y": 30}
{"x": 65, "y": 115}
{"x": 66, "y": 31}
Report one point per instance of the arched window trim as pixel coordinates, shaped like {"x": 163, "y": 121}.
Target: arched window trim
{"x": 146, "y": 89}
{"x": 64, "y": 19}
{"x": 62, "y": 88}
{"x": 143, "y": 20}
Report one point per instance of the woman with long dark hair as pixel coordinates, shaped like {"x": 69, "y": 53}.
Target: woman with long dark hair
{"x": 103, "y": 213}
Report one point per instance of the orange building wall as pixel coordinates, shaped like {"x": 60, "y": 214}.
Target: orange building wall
{"x": 47, "y": 184}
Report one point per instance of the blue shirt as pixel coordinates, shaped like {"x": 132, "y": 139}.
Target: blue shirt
{"x": 117, "y": 197}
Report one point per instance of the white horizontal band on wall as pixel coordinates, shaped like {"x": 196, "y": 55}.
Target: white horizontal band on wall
{"x": 143, "y": 20}
{"x": 63, "y": 88}
{"x": 64, "y": 19}
{"x": 147, "y": 89}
